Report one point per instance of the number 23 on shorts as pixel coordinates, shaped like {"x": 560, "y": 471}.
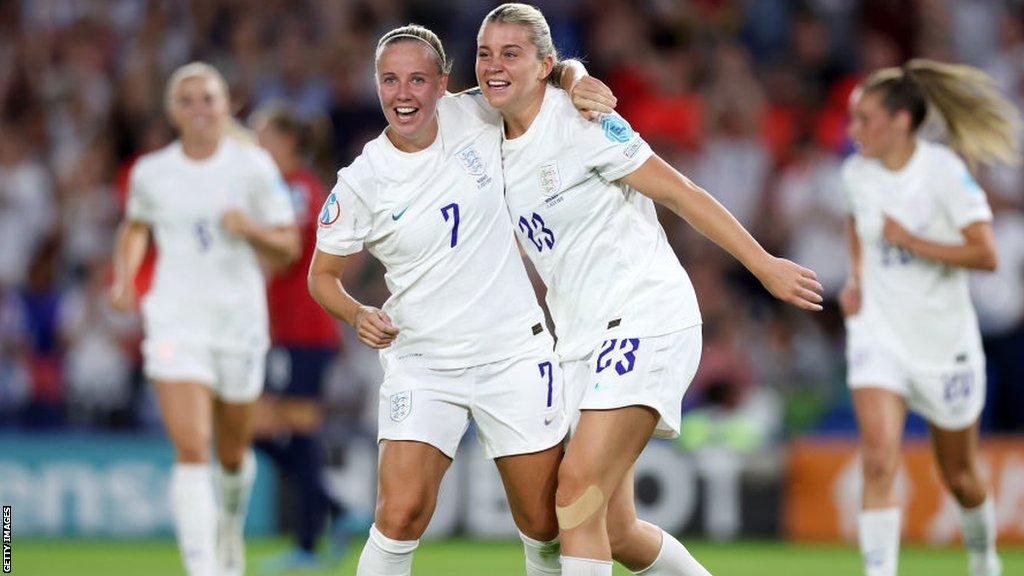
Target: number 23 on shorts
{"x": 611, "y": 349}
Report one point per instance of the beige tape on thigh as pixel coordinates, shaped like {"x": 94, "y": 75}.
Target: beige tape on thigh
{"x": 579, "y": 511}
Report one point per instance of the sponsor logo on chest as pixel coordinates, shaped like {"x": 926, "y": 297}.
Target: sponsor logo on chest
{"x": 475, "y": 166}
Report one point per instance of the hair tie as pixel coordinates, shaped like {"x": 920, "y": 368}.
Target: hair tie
{"x": 908, "y": 72}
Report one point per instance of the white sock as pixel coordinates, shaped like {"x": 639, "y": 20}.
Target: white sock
{"x": 879, "y": 535}
{"x": 195, "y": 517}
{"x": 541, "y": 557}
{"x": 383, "y": 556}
{"x": 572, "y": 566}
{"x": 233, "y": 491}
{"x": 674, "y": 560}
{"x": 234, "y": 488}
{"x": 979, "y": 526}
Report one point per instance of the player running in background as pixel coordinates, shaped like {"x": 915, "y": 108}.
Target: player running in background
{"x": 215, "y": 206}
{"x": 918, "y": 221}
{"x": 462, "y": 335}
{"x": 305, "y": 341}
{"x": 580, "y": 197}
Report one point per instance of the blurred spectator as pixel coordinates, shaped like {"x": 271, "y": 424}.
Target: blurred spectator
{"x": 15, "y": 388}
{"x": 97, "y": 366}
{"x": 296, "y": 78}
{"x": 26, "y": 204}
{"x": 807, "y": 216}
{"x": 88, "y": 209}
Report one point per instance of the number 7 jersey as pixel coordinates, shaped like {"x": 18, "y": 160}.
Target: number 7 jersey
{"x": 436, "y": 220}
{"x": 596, "y": 243}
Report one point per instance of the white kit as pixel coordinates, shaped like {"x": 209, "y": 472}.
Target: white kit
{"x": 206, "y": 315}
{"x": 917, "y": 332}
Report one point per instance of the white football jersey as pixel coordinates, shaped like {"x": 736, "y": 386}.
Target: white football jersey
{"x": 919, "y": 308}
{"x": 597, "y": 243}
{"x": 208, "y": 287}
{"x": 436, "y": 220}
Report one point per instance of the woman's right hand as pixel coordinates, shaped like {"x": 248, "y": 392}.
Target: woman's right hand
{"x": 849, "y": 298}
{"x": 374, "y": 327}
{"x": 122, "y": 296}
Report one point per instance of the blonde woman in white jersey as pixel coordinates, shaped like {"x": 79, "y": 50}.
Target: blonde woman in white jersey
{"x": 462, "y": 335}
{"x": 580, "y": 196}
{"x": 215, "y": 205}
{"x": 918, "y": 221}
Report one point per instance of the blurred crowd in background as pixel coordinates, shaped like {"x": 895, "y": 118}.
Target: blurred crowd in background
{"x": 746, "y": 97}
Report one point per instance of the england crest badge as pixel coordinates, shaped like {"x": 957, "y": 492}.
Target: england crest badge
{"x": 401, "y": 405}
{"x": 550, "y": 179}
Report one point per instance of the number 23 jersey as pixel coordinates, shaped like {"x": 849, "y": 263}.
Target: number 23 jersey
{"x": 919, "y": 308}
{"x": 435, "y": 219}
{"x": 597, "y": 243}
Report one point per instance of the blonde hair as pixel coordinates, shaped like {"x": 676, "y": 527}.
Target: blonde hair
{"x": 416, "y": 33}
{"x": 531, "y": 18}
{"x": 232, "y": 127}
{"x": 983, "y": 126}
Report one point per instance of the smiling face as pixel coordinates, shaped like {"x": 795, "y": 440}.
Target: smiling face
{"x": 409, "y": 84}
{"x": 510, "y": 74}
{"x": 199, "y": 108}
{"x": 873, "y": 128}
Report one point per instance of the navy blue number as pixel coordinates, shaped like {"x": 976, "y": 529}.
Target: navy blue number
{"x": 628, "y": 361}
{"x": 894, "y": 256}
{"x": 602, "y": 359}
{"x": 549, "y": 236}
{"x": 629, "y": 357}
{"x": 957, "y": 386}
{"x": 203, "y": 235}
{"x": 537, "y": 231}
{"x": 524, "y": 225}
{"x": 546, "y": 371}
{"x": 451, "y": 211}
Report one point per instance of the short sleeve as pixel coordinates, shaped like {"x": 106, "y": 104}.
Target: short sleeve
{"x": 472, "y": 103}
{"x": 140, "y": 203}
{"x": 273, "y": 202}
{"x": 608, "y": 145}
{"x": 963, "y": 198}
{"x": 344, "y": 221}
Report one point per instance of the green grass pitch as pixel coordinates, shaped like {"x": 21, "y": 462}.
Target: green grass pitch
{"x": 464, "y": 558}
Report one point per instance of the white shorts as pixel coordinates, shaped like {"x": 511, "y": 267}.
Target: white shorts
{"x": 949, "y": 397}
{"x": 235, "y": 377}
{"x": 653, "y": 372}
{"x": 518, "y": 404}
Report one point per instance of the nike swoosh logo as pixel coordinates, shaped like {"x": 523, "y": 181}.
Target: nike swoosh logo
{"x": 396, "y": 215}
{"x": 548, "y": 421}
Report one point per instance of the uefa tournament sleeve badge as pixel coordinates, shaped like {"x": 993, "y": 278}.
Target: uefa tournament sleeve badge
{"x": 330, "y": 212}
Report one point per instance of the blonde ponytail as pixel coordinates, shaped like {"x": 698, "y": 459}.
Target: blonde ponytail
{"x": 983, "y": 126}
